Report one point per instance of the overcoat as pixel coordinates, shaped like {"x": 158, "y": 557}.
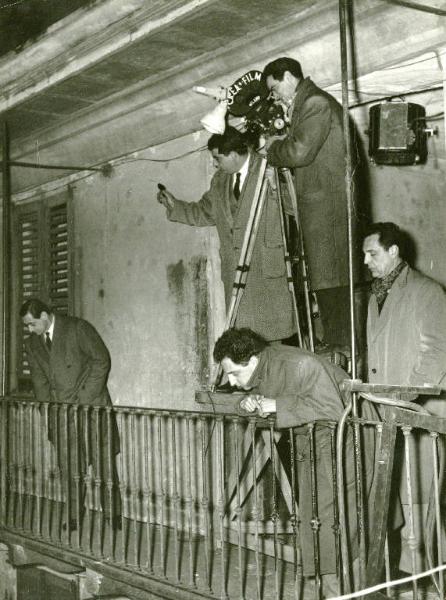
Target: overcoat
{"x": 407, "y": 346}
{"x": 307, "y": 389}
{"x": 266, "y": 305}
{"x": 314, "y": 150}
{"x": 75, "y": 371}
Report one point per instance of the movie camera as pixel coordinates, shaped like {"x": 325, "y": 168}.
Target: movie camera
{"x": 248, "y": 98}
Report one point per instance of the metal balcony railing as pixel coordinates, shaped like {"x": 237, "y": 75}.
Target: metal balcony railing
{"x": 214, "y": 502}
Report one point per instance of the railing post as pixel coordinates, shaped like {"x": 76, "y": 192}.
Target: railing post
{"x": 380, "y": 502}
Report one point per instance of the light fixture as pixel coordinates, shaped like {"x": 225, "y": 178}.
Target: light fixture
{"x": 214, "y": 121}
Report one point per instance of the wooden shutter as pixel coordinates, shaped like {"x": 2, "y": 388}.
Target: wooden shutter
{"x": 42, "y": 266}
{"x": 58, "y": 259}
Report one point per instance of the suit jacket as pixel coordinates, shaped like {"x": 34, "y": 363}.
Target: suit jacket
{"x": 307, "y": 389}
{"x": 314, "y": 149}
{"x": 76, "y": 369}
{"x": 266, "y": 305}
{"x": 407, "y": 346}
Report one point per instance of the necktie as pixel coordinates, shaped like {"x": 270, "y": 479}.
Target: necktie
{"x": 237, "y": 186}
{"x": 48, "y": 341}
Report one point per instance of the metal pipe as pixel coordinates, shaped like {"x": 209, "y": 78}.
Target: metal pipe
{"x": 343, "y": 5}
{"x": 18, "y": 163}
{"x": 6, "y": 267}
{"x": 416, "y": 6}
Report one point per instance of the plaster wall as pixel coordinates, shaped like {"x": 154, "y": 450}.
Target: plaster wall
{"x": 149, "y": 286}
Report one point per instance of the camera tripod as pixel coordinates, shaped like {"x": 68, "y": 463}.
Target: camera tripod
{"x": 263, "y": 184}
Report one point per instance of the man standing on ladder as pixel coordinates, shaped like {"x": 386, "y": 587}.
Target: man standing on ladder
{"x": 266, "y": 304}
{"x": 313, "y": 149}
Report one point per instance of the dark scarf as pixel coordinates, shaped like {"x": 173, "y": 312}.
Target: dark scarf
{"x": 381, "y": 286}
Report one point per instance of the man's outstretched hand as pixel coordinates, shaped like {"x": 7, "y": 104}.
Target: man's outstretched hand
{"x": 164, "y": 197}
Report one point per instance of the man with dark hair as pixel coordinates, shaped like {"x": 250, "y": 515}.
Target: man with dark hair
{"x": 301, "y": 388}
{"x": 266, "y": 304}
{"x": 69, "y": 364}
{"x": 406, "y": 335}
{"x": 314, "y": 149}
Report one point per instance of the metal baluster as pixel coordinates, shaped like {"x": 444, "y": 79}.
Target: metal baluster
{"x": 294, "y": 518}
{"x": 274, "y": 511}
{"x": 336, "y": 529}
{"x": 134, "y": 489}
{"x": 175, "y": 498}
{"x": 189, "y": 501}
{"x": 238, "y": 508}
{"x": 438, "y": 522}
{"x": 389, "y": 591}
{"x": 255, "y": 511}
{"x": 411, "y": 539}
{"x": 359, "y": 490}
{"x": 220, "y": 477}
{"x": 315, "y": 521}
{"x": 205, "y": 500}
{"x": 148, "y": 460}
{"x": 162, "y": 492}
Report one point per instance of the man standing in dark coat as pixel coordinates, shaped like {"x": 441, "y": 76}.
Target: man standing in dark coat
{"x": 69, "y": 364}
{"x": 301, "y": 388}
{"x": 266, "y": 304}
{"x": 314, "y": 149}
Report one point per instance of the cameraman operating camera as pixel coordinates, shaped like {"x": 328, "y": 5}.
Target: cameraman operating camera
{"x": 314, "y": 149}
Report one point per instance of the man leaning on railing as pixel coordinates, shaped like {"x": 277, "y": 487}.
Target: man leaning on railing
{"x": 69, "y": 364}
{"x": 301, "y": 388}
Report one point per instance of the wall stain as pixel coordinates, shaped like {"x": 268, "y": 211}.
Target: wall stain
{"x": 188, "y": 286}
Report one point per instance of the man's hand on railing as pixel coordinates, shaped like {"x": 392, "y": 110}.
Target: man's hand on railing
{"x": 257, "y": 403}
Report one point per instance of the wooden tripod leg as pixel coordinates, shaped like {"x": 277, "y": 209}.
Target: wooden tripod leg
{"x": 302, "y": 258}
{"x": 289, "y": 271}
{"x": 263, "y": 455}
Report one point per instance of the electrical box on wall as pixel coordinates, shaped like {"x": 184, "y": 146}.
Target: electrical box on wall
{"x": 397, "y": 133}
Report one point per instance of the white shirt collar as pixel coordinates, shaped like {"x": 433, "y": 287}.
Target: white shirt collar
{"x": 243, "y": 172}
{"x": 50, "y": 329}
